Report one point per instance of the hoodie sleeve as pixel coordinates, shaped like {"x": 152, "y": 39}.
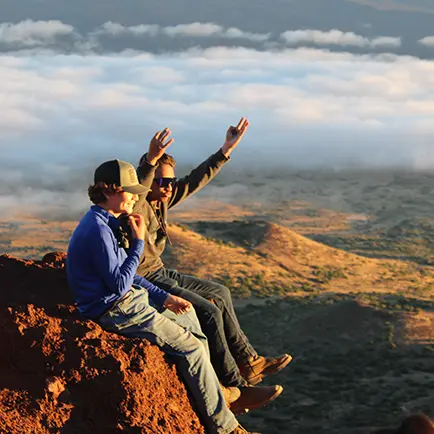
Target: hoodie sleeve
{"x": 118, "y": 277}
{"x": 157, "y": 295}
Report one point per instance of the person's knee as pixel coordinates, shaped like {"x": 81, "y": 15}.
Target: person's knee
{"x": 224, "y": 294}
{"x": 195, "y": 348}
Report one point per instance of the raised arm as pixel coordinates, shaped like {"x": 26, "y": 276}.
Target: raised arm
{"x": 148, "y": 163}
{"x": 205, "y": 172}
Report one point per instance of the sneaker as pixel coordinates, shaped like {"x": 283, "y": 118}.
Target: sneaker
{"x": 240, "y": 430}
{"x": 255, "y": 397}
{"x": 256, "y": 368}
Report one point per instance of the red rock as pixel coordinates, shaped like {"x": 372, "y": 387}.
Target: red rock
{"x": 62, "y": 373}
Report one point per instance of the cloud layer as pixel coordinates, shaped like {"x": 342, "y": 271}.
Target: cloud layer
{"x": 37, "y": 33}
{"x": 33, "y": 33}
{"x": 198, "y": 30}
{"x": 64, "y": 114}
{"x": 337, "y": 37}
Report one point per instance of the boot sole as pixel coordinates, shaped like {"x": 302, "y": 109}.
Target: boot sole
{"x": 239, "y": 411}
{"x": 258, "y": 378}
{"x": 236, "y": 409}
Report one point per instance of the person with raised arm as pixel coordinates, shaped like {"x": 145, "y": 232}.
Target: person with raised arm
{"x": 236, "y": 362}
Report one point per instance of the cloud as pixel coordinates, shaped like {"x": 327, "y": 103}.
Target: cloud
{"x": 195, "y": 30}
{"x": 308, "y": 107}
{"x": 428, "y": 41}
{"x": 116, "y": 29}
{"x": 337, "y": 37}
{"x": 55, "y": 35}
{"x": 31, "y": 33}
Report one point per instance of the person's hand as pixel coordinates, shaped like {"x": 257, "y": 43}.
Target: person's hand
{"x": 137, "y": 224}
{"x": 234, "y": 136}
{"x": 177, "y": 304}
{"x": 158, "y": 145}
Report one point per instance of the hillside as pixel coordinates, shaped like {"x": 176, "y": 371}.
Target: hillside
{"x": 61, "y": 373}
{"x": 261, "y": 258}
{"x": 351, "y": 299}
{"x": 361, "y": 363}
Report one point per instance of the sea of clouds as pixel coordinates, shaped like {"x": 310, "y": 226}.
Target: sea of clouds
{"x": 66, "y": 105}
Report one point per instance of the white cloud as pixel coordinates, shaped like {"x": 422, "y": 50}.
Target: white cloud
{"x": 192, "y": 30}
{"x": 27, "y": 34}
{"x": 30, "y": 33}
{"x": 313, "y": 107}
{"x": 337, "y": 37}
{"x": 428, "y": 41}
{"x": 117, "y": 29}
{"x": 235, "y": 33}
{"x": 386, "y": 41}
{"x": 76, "y": 108}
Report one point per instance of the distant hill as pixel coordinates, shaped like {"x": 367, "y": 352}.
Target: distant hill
{"x": 261, "y": 258}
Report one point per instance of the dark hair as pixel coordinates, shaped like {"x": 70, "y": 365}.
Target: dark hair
{"x": 98, "y": 191}
{"x": 167, "y": 159}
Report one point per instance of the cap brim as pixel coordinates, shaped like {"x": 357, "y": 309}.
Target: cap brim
{"x": 136, "y": 189}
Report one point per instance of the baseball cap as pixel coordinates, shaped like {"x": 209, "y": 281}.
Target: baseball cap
{"x": 120, "y": 173}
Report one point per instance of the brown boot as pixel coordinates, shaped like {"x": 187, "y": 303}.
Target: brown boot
{"x": 255, "y": 397}
{"x": 231, "y": 394}
{"x": 240, "y": 430}
{"x": 256, "y": 368}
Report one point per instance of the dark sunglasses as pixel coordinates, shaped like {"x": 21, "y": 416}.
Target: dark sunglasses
{"x": 165, "y": 182}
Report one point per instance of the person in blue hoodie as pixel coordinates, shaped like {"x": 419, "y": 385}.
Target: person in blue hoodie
{"x": 103, "y": 280}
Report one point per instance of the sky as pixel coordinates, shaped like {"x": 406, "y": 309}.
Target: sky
{"x": 324, "y": 83}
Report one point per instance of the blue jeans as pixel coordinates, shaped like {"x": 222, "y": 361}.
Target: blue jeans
{"x": 228, "y": 344}
{"x": 180, "y": 337}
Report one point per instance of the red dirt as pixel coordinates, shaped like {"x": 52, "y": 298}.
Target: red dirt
{"x": 62, "y": 374}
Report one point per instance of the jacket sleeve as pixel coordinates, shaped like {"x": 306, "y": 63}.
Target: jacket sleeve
{"x": 118, "y": 277}
{"x": 145, "y": 173}
{"x": 157, "y": 295}
{"x": 198, "y": 178}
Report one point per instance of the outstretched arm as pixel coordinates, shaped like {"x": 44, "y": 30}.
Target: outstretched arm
{"x": 205, "y": 172}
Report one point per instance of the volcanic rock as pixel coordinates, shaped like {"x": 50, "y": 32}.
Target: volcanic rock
{"x": 60, "y": 373}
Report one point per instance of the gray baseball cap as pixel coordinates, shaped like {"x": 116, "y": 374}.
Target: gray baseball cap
{"x": 120, "y": 173}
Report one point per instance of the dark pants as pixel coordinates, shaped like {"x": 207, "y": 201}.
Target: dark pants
{"x": 228, "y": 343}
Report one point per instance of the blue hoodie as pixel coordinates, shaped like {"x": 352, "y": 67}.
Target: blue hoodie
{"x": 100, "y": 272}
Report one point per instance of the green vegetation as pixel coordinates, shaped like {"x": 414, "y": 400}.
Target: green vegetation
{"x": 410, "y": 240}
{"x": 351, "y": 368}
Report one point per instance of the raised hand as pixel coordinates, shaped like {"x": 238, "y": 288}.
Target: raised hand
{"x": 234, "y": 136}
{"x": 158, "y": 145}
{"x": 177, "y": 304}
{"x": 137, "y": 225}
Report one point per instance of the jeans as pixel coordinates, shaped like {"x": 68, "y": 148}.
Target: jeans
{"x": 228, "y": 343}
{"x": 180, "y": 337}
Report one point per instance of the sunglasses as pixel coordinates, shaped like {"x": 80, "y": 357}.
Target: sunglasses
{"x": 165, "y": 182}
